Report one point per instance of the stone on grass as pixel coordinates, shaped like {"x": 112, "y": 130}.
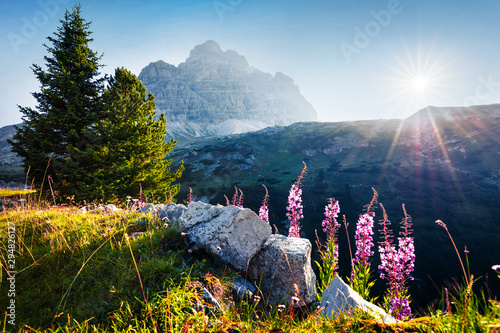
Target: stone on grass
{"x": 136, "y": 234}
{"x": 282, "y": 268}
{"x": 81, "y": 210}
{"x": 208, "y": 297}
{"x": 174, "y": 213}
{"x": 233, "y": 234}
{"x": 339, "y": 297}
{"x": 111, "y": 208}
{"x": 242, "y": 288}
{"x": 147, "y": 208}
{"x": 199, "y": 212}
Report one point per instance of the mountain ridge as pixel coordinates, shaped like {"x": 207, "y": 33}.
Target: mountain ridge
{"x": 213, "y": 86}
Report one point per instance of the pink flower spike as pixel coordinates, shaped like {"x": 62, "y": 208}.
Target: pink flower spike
{"x": 295, "y": 206}
{"x": 264, "y": 209}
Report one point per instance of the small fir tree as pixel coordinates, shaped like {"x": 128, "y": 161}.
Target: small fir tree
{"x": 130, "y": 146}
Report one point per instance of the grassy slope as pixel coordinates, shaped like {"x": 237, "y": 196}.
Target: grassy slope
{"x": 76, "y": 272}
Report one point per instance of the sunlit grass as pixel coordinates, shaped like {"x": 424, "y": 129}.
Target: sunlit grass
{"x": 15, "y": 192}
{"x": 80, "y": 273}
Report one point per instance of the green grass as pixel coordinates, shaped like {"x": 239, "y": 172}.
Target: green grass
{"x": 9, "y": 193}
{"x": 81, "y": 273}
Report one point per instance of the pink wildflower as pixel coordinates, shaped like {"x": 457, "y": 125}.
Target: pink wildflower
{"x": 396, "y": 266}
{"x": 294, "y": 210}
{"x": 364, "y": 240}
{"x": 190, "y": 196}
{"x": 295, "y": 205}
{"x": 330, "y": 227}
{"x": 264, "y": 209}
{"x": 237, "y": 198}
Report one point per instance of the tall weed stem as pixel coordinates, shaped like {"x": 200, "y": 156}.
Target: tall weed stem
{"x": 442, "y": 224}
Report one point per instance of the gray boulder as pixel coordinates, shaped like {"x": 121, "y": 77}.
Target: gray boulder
{"x": 81, "y": 210}
{"x": 147, "y": 208}
{"x": 339, "y": 297}
{"x": 199, "y": 212}
{"x": 234, "y": 234}
{"x": 107, "y": 208}
{"x": 282, "y": 267}
{"x": 174, "y": 213}
{"x": 242, "y": 288}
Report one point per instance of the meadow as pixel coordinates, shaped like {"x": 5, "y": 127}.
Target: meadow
{"x": 125, "y": 271}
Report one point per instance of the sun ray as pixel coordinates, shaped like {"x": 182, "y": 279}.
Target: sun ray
{"x": 421, "y": 77}
{"x": 388, "y": 157}
{"x": 446, "y": 156}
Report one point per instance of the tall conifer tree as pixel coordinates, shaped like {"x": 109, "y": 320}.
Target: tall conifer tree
{"x": 101, "y": 143}
{"x": 130, "y": 145}
{"x": 67, "y": 105}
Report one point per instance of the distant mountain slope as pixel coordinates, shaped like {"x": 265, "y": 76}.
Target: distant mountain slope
{"x": 213, "y": 86}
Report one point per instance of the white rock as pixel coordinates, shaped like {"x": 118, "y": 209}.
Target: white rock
{"x": 199, "y": 212}
{"x": 136, "y": 234}
{"x": 339, "y": 297}
{"x": 111, "y": 208}
{"x": 282, "y": 264}
{"x": 234, "y": 234}
{"x": 81, "y": 210}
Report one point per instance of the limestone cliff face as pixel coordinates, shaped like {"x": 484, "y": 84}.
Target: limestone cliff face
{"x": 213, "y": 86}
{"x": 7, "y": 157}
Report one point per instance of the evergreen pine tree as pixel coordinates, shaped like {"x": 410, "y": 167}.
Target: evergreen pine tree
{"x": 130, "y": 146}
{"x": 67, "y": 105}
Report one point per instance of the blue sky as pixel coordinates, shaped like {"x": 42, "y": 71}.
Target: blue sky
{"x": 352, "y": 59}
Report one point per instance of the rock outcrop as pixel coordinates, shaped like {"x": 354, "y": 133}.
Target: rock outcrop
{"x": 279, "y": 266}
{"x": 282, "y": 270}
{"x": 174, "y": 213}
{"x": 8, "y": 158}
{"x": 339, "y": 297}
{"x": 234, "y": 234}
{"x": 213, "y": 86}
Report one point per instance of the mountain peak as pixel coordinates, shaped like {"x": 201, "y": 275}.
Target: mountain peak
{"x": 214, "y": 86}
{"x": 211, "y": 53}
{"x": 209, "y": 47}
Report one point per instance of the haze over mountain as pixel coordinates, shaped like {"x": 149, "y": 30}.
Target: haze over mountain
{"x": 217, "y": 92}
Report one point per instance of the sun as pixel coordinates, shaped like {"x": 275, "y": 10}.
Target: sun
{"x": 419, "y": 83}
{"x": 418, "y": 76}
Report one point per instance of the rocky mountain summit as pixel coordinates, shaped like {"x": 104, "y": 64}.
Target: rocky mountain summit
{"x": 10, "y": 170}
{"x": 8, "y": 157}
{"x": 217, "y": 92}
